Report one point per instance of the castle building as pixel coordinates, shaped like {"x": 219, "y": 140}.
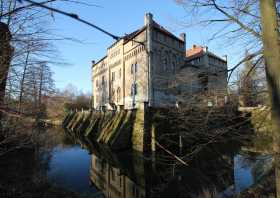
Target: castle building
{"x": 204, "y": 74}
{"x": 213, "y": 66}
{"x": 140, "y": 69}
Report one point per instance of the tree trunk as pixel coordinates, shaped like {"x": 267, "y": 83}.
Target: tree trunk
{"x": 270, "y": 37}
{"x": 5, "y": 58}
{"x": 40, "y": 88}
{"x": 22, "y": 81}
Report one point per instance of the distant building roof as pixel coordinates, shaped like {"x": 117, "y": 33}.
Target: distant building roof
{"x": 194, "y": 51}
{"x": 198, "y": 51}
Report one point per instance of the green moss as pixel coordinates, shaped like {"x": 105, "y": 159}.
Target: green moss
{"x": 95, "y": 118}
{"x": 261, "y": 121}
{"x": 85, "y": 123}
{"x": 114, "y": 127}
{"x": 122, "y": 138}
{"x": 111, "y": 127}
{"x": 138, "y": 131}
{"x": 67, "y": 119}
{"x": 104, "y": 121}
{"x": 117, "y": 125}
{"x": 78, "y": 121}
{"x": 70, "y": 124}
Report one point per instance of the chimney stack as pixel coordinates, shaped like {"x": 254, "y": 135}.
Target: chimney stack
{"x": 148, "y": 18}
{"x": 183, "y": 37}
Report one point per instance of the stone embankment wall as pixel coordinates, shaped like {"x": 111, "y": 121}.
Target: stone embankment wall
{"x": 118, "y": 130}
{"x": 144, "y": 129}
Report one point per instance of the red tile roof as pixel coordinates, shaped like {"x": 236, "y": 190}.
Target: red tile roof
{"x": 194, "y": 51}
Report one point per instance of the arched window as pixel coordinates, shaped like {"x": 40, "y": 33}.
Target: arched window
{"x": 118, "y": 94}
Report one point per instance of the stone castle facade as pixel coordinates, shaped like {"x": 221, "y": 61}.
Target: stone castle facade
{"x": 141, "y": 69}
{"x": 202, "y": 77}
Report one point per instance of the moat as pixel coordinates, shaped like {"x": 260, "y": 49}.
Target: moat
{"x": 94, "y": 171}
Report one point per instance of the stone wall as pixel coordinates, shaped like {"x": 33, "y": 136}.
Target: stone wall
{"x": 119, "y": 130}
{"x": 136, "y": 72}
{"x": 144, "y": 128}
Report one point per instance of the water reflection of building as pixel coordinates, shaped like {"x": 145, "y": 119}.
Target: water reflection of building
{"x": 134, "y": 177}
{"x": 112, "y": 182}
{"x": 216, "y": 170}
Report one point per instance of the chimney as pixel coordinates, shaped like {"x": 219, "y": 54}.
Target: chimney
{"x": 194, "y": 46}
{"x": 183, "y": 37}
{"x": 148, "y": 18}
{"x": 92, "y": 62}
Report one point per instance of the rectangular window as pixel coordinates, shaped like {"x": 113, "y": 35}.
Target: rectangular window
{"x": 96, "y": 83}
{"x": 136, "y": 67}
{"x": 113, "y": 76}
{"x": 120, "y": 73}
{"x": 112, "y": 174}
{"x": 103, "y": 80}
{"x": 132, "y": 68}
{"x": 133, "y": 89}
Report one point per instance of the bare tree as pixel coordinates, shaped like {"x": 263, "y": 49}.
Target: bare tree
{"x": 252, "y": 24}
{"x": 251, "y": 84}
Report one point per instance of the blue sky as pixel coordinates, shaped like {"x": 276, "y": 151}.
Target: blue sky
{"x": 118, "y": 17}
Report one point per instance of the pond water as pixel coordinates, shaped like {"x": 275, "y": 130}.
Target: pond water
{"x": 90, "y": 169}
{"x": 69, "y": 167}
